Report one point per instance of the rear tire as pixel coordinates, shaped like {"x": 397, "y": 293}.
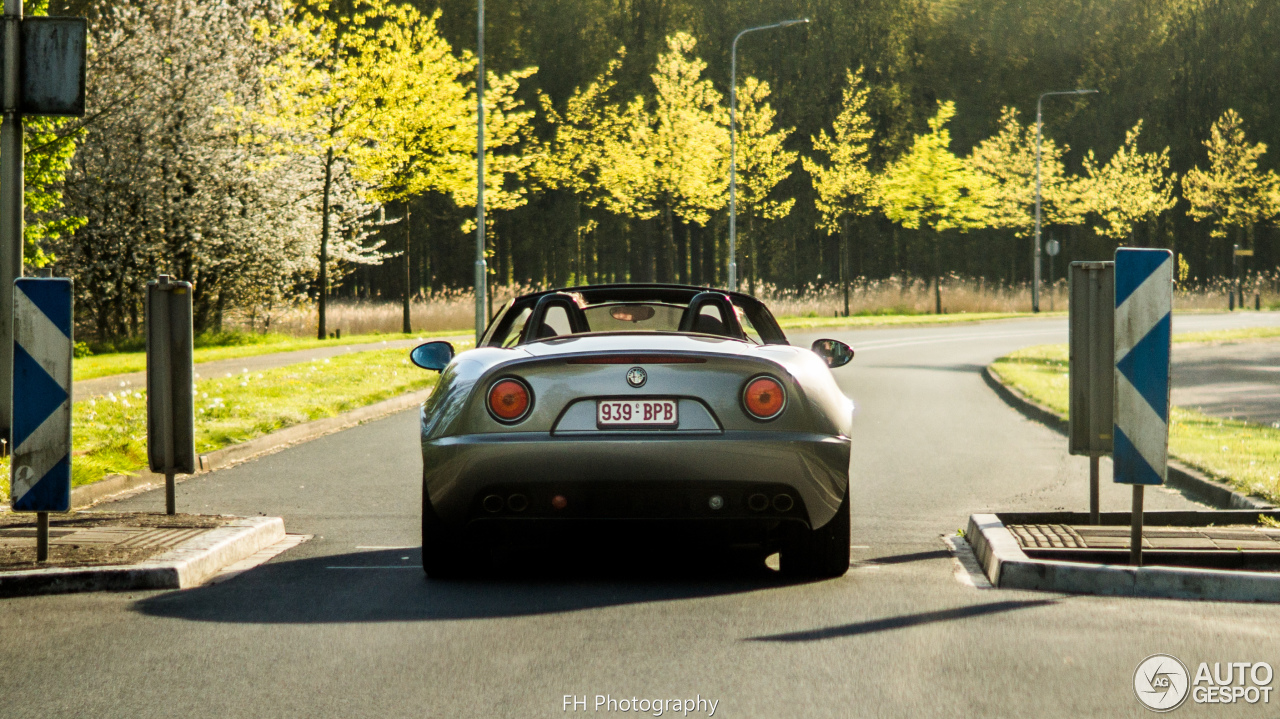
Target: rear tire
{"x": 821, "y": 553}
{"x": 444, "y": 555}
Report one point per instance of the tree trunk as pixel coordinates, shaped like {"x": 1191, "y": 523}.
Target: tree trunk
{"x": 753, "y": 254}
{"x": 937, "y": 273}
{"x": 844, "y": 261}
{"x": 406, "y": 326}
{"x": 324, "y": 244}
{"x": 665, "y": 266}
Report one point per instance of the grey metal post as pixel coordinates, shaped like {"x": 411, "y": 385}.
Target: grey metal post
{"x": 733, "y": 146}
{"x": 1135, "y": 528}
{"x": 170, "y": 410}
{"x": 1091, "y": 356}
{"x": 1035, "y": 250}
{"x": 11, "y": 206}
{"x": 42, "y": 536}
{"x": 482, "y": 273}
{"x": 1094, "y": 509}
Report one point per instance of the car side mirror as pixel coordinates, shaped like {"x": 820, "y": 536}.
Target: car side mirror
{"x": 432, "y": 355}
{"x": 834, "y": 352}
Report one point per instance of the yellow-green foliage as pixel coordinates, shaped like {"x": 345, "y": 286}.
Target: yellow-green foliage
{"x": 110, "y": 433}
{"x": 1247, "y": 455}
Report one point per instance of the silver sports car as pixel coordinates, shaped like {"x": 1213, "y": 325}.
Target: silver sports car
{"x": 648, "y": 410}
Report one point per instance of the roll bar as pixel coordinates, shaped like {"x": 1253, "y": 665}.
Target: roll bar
{"x": 719, "y": 300}
{"x": 577, "y": 319}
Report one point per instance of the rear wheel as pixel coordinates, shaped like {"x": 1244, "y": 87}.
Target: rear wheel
{"x": 821, "y": 553}
{"x": 444, "y": 555}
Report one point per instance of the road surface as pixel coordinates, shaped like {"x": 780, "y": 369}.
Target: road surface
{"x": 346, "y": 626}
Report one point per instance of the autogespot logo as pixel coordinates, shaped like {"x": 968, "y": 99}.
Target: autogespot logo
{"x": 1161, "y": 681}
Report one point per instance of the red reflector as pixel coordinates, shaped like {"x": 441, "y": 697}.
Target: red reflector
{"x": 637, "y": 359}
{"x": 764, "y": 398}
{"x": 509, "y": 399}
{"x": 559, "y": 501}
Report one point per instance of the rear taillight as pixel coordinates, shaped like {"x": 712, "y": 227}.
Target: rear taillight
{"x": 764, "y": 398}
{"x": 509, "y": 400}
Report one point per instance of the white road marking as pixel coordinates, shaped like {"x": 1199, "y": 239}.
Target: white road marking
{"x": 967, "y": 571}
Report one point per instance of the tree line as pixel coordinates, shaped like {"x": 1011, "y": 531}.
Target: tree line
{"x": 265, "y": 150}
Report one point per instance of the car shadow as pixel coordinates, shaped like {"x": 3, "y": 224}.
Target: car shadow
{"x": 389, "y": 586}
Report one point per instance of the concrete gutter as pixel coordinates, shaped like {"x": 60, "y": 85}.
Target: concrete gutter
{"x": 1008, "y": 567}
{"x": 188, "y": 564}
{"x": 1188, "y": 480}
{"x": 115, "y": 486}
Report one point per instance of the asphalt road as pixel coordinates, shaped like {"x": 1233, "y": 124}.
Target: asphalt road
{"x": 345, "y": 625}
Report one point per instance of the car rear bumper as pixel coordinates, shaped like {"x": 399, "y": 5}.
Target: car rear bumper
{"x": 636, "y": 477}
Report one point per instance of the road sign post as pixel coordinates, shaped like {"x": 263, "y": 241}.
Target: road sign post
{"x": 40, "y": 471}
{"x": 1091, "y": 360}
{"x": 1143, "y": 333}
{"x": 170, "y": 404}
{"x": 43, "y": 71}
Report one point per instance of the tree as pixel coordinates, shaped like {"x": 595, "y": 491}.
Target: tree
{"x": 168, "y": 180}
{"x": 672, "y": 161}
{"x": 1008, "y": 161}
{"x": 762, "y": 163}
{"x": 323, "y": 96}
{"x": 846, "y": 188}
{"x": 1233, "y": 193}
{"x": 931, "y": 189}
{"x": 1132, "y": 186}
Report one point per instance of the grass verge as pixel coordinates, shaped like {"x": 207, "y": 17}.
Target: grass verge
{"x": 1245, "y": 455}
{"x": 105, "y": 365}
{"x": 110, "y": 433}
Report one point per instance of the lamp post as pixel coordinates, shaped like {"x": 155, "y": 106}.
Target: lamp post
{"x": 1035, "y": 282}
{"x": 481, "y": 268}
{"x": 733, "y": 146}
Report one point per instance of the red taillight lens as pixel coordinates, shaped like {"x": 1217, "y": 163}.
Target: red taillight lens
{"x": 509, "y": 400}
{"x": 764, "y": 398}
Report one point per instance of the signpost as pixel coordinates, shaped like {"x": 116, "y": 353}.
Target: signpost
{"x": 170, "y": 404}
{"x": 43, "y": 61}
{"x": 40, "y": 473}
{"x": 1091, "y": 366}
{"x": 1143, "y": 333}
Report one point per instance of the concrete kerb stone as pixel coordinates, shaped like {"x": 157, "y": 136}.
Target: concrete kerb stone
{"x": 186, "y": 565}
{"x": 1008, "y": 567}
{"x": 1190, "y": 481}
{"x": 117, "y": 486}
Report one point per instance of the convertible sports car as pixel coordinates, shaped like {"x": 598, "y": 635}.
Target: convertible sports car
{"x": 647, "y": 410}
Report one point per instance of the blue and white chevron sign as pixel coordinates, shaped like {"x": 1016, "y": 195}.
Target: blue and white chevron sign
{"x": 1143, "y": 331}
{"x": 40, "y": 470}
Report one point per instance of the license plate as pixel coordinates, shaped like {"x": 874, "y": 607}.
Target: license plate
{"x": 637, "y": 413}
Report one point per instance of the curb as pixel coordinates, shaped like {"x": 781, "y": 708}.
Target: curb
{"x": 1008, "y": 567}
{"x": 112, "y": 486}
{"x": 187, "y": 565}
{"x": 1190, "y": 481}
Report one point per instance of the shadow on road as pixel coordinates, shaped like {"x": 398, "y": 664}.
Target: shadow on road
{"x": 902, "y": 622}
{"x": 389, "y": 586}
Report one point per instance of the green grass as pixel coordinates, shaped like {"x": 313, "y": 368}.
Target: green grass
{"x": 878, "y": 320}
{"x": 1238, "y": 335}
{"x": 1243, "y": 454}
{"x": 105, "y": 365}
{"x": 110, "y": 433}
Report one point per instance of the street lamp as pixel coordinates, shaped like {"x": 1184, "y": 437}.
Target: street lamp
{"x": 481, "y": 269}
{"x": 1035, "y": 283}
{"x": 733, "y": 146}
